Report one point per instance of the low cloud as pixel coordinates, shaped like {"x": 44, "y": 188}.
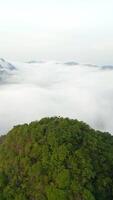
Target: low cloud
{"x": 39, "y": 89}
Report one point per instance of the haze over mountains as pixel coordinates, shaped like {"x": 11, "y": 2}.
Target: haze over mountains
{"x": 35, "y": 89}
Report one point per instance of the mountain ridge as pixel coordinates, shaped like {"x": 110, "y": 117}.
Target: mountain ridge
{"x": 56, "y": 158}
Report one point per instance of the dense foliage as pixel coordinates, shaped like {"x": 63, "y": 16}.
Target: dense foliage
{"x": 56, "y": 159}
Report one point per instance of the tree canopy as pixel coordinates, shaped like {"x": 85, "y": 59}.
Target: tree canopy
{"x": 56, "y": 159}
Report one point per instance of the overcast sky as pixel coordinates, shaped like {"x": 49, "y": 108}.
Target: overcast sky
{"x": 80, "y": 30}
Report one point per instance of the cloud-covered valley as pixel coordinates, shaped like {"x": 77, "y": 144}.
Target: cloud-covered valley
{"x": 30, "y": 91}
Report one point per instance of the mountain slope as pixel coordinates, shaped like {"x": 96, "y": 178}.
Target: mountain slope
{"x": 6, "y": 70}
{"x": 56, "y": 159}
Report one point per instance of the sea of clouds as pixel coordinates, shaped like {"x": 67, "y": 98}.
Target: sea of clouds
{"x": 42, "y": 89}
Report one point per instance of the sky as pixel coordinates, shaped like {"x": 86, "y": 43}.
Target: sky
{"x": 80, "y": 30}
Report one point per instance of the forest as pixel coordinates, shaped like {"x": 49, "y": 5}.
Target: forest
{"x": 56, "y": 159}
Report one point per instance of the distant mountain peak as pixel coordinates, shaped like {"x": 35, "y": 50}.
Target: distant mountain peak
{"x": 2, "y": 59}
{"x": 35, "y": 61}
{"x": 6, "y": 70}
{"x": 6, "y": 65}
{"x": 107, "y": 67}
{"x": 71, "y": 63}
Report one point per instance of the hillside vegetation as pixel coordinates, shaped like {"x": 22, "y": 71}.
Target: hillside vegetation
{"x": 56, "y": 159}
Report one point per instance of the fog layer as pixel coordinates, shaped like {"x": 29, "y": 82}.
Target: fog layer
{"x": 39, "y": 89}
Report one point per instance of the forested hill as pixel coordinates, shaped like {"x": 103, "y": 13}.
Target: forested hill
{"x": 56, "y": 159}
